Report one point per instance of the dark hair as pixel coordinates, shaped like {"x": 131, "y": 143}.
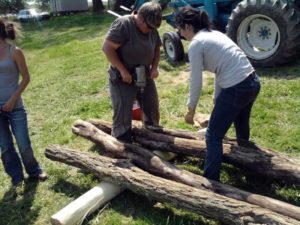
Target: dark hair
{"x": 9, "y": 30}
{"x": 151, "y": 13}
{"x": 197, "y": 18}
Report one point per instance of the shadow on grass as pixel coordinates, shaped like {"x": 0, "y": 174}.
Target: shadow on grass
{"x": 247, "y": 181}
{"x": 69, "y": 189}
{"x": 288, "y": 71}
{"x": 95, "y": 149}
{"x": 139, "y": 208}
{"x": 18, "y": 210}
{"x": 168, "y": 65}
{"x": 261, "y": 185}
{"x": 64, "y": 29}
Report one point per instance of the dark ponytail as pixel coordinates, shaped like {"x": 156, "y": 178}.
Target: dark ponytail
{"x": 9, "y": 30}
{"x": 197, "y": 18}
{"x": 11, "y": 34}
{"x": 204, "y": 18}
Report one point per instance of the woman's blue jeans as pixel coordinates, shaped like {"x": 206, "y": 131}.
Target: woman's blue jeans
{"x": 233, "y": 105}
{"x": 15, "y": 123}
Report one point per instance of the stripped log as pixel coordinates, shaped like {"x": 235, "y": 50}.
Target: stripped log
{"x": 272, "y": 164}
{"x": 153, "y": 164}
{"x": 122, "y": 173}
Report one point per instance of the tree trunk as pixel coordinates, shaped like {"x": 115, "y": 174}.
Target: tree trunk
{"x": 125, "y": 174}
{"x": 272, "y": 164}
{"x": 118, "y": 3}
{"x": 139, "y": 156}
{"x": 98, "y": 5}
{"x": 153, "y": 164}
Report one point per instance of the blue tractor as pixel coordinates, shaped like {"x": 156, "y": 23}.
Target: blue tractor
{"x": 267, "y": 30}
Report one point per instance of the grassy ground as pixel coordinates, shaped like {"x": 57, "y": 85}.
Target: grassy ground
{"x": 69, "y": 81}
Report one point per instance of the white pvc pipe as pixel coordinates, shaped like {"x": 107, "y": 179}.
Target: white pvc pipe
{"x": 76, "y": 211}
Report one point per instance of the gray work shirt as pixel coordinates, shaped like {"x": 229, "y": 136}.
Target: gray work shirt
{"x": 137, "y": 48}
{"x": 215, "y": 52}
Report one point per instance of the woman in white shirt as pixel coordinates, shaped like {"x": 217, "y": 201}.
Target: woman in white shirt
{"x": 236, "y": 83}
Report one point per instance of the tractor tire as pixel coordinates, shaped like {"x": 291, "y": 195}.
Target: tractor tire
{"x": 173, "y": 47}
{"x": 267, "y": 31}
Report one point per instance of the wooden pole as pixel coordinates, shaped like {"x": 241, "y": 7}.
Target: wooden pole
{"x": 153, "y": 164}
{"x": 92, "y": 200}
{"x": 122, "y": 173}
{"x": 272, "y": 164}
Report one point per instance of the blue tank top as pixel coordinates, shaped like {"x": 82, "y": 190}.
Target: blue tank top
{"x": 9, "y": 78}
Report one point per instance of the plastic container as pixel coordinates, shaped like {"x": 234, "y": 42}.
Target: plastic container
{"x": 137, "y": 113}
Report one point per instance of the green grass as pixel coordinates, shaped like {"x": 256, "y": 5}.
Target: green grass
{"x": 69, "y": 81}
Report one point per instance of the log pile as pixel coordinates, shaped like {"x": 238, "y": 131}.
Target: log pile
{"x": 262, "y": 161}
{"x": 140, "y": 170}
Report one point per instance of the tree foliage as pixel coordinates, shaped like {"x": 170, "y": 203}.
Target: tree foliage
{"x": 43, "y": 4}
{"x": 11, "y": 6}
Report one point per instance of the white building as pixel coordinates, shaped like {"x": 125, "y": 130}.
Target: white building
{"x": 64, "y": 6}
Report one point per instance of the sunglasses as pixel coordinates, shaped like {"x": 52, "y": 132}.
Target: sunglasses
{"x": 149, "y": 27}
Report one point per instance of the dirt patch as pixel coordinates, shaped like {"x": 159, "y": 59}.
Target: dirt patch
{"x": 183, "y": 77}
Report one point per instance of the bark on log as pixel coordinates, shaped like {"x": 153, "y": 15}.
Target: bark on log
{"x": 272, "y": 164}
{"x": 92, "y": 200}
{"x": 153, "y": 164}
{"x": 106, "y": 127}
{"x": 140, "y": 156}
{"x": 123, "y": 173}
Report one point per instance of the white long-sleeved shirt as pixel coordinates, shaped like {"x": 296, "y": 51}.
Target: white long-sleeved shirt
{"x": 215, "y": 52}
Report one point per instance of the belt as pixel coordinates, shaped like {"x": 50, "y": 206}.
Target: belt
{"x": 252, "y": 75}
{"x": 131, "y": 71}
{"x": 115, "y": 69}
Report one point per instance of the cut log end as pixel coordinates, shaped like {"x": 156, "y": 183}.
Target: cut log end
{"x": 201, "y": 120}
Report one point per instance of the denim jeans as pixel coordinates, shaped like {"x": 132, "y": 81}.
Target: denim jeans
{"x": 15, "y": 123}
{"x": 233, "y": 105}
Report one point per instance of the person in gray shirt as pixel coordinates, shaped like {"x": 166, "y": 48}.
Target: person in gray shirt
{"x": 236, "y": 83}
{"x": 133, "y": 41}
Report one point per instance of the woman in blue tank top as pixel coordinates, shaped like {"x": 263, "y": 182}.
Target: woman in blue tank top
{"x": 13, "y": 117}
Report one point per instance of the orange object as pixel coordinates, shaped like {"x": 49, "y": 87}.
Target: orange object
{"x": 137, "y": 113}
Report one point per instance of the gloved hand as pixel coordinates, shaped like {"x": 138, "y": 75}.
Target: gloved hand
{"x": 189, "y": 117}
